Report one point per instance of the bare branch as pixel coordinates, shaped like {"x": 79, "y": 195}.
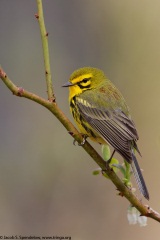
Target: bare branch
{"x": 44, "y": 37}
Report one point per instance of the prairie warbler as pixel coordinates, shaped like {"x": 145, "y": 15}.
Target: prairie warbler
{"x": 102, "y": 114}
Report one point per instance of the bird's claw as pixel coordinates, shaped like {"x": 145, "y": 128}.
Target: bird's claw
{"x": 83, "y": 141}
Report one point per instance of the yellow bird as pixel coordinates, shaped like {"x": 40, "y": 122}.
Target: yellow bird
{"x": 102, "y": 114}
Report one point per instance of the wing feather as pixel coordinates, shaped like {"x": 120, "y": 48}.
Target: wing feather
{"x": 113, "y": 126}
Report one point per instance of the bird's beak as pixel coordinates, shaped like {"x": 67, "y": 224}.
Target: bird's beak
{"x": 67, "y": 84}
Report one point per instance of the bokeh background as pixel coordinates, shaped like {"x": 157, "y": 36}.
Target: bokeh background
{"x": 46, "y": 184}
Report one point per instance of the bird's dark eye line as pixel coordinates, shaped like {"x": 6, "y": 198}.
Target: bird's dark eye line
{"x": 85, "y": 80}
{"x": 85, "y": 83}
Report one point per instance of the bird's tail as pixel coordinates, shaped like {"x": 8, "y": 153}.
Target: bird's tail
{"x": 138, "y": 176}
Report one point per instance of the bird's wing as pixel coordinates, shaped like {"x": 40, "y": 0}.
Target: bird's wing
{"x": 114, "y": 126}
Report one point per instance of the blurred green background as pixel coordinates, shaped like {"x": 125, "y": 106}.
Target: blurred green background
{"x": 46, "y": 184}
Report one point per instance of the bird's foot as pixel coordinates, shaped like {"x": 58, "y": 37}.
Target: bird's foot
{"x": 83, "y": 141}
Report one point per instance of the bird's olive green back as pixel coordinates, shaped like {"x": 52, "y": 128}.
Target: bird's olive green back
{"x": 100, "y": 92}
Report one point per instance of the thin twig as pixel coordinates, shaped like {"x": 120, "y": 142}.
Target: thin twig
{"x": 44, "y": 37}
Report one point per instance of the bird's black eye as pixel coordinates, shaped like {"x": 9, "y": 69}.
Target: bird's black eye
{"x": 85, "y": 80}
{"x": 85, "y": 83}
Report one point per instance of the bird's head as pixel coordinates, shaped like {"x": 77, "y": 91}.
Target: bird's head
{"x": 83, "y": 79}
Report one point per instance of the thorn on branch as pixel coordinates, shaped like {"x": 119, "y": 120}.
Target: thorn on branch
{"x": 20, "y": 92}
{"x": 54, "y": 100}
{"x": 71, "y": 133}
{"x": 120, "y": 194}
{"x": 2, "y": 74}
{"x": 47, "y": 34}
{"x": 46, "y": 72}
{"x": 36, "y": 15}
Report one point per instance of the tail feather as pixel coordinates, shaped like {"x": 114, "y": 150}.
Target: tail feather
{"x": 139, "y": 178}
